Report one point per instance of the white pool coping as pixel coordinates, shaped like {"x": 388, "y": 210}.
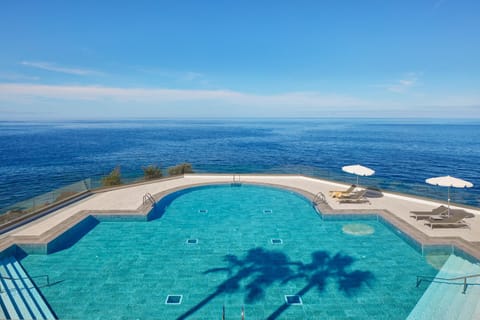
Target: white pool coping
{"x": 129, "y": 200}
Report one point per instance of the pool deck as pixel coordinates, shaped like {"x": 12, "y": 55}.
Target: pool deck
{"x": 128, "y": 201}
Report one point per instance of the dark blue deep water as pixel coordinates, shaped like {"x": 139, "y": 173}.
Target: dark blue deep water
{"x": 38, "y": 157}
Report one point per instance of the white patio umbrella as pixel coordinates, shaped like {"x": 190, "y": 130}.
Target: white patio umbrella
{"x": 358, "y": 170}
{"x": 448, "y": 181}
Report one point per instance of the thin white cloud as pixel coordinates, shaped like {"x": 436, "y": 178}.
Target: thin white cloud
{"x": 78, "y": 101}
{"x": 160, "y": 95}
{"x": 187, "y": 76}
{"x": 61, "y": 69}
{"x": 408, "y": 81}
{"x": 190, "y": 76}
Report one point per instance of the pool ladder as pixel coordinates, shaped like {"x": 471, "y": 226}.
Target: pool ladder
{"x": 147, "y": 197}
{"x": 319, "y": 198}
{"x": 236, "y": 180}
{"x": 432, "y": 279}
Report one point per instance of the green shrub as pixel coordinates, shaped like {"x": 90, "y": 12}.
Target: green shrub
{"x": 152, "y": 172}
{"x": 180, "y": 169}
{"x": 113, "y": 179}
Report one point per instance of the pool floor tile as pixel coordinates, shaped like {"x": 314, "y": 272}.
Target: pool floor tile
{"x": 149, "y": 260}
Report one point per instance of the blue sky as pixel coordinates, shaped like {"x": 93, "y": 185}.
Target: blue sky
{"x": 164, "y": 59}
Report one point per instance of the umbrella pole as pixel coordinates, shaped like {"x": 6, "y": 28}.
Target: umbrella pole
{"x": 448, "y": 201}
{"x": 357, "y": 181}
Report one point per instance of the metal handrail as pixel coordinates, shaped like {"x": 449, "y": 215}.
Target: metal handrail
{"x": 319, "y": 197}
{"x": 235, "y": 181}
{"x": 22, "y": 278}
{"x": 432, "y": 279}
{"x": 148, "y": 197}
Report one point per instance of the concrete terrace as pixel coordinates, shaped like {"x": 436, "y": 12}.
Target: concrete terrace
{"x": 128, "y": 200}
{"x": 395, "y": 208}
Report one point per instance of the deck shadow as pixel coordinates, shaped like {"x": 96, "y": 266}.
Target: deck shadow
{"x": 260, "y": 268}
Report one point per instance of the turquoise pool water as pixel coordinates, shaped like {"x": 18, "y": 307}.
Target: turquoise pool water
{"x": 126, "y": 270}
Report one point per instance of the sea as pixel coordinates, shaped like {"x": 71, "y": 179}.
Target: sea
{"x": 37, "y": 157}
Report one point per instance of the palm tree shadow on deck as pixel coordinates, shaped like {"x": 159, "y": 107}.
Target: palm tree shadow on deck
{"x": 261, "y": 268}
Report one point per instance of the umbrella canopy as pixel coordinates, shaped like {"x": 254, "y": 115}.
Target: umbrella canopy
{"x": 358, "y": 170}
{"x": 448, "y": 181}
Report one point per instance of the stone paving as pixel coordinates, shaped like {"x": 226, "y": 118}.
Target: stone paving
{"x": 128, "y": 200}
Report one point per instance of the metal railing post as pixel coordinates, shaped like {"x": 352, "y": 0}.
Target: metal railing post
{"x": 432, "y": 279}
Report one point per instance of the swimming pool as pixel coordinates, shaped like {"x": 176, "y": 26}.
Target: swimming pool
{"x": 248, "y": 246}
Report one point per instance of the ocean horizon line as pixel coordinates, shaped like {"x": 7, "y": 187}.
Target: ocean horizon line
{"x": 233, "y": 119}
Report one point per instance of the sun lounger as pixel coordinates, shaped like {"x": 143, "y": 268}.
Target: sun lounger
{"x": 337, "y": 194}
{"x": 438, "y": 210}
{"x": 442, "y": 210}
{"x": 456, "y": 219}
{"x": 355, "y": 197}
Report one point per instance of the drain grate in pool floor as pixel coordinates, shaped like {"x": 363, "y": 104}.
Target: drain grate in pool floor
{"x": 293, "y": 300}
{"x": 192, "y": 241}
{"x": 203, "y": 211}
{"x": 174, "y": 299}
{"x": 276, "y": 241}
{"x": 267, "y": 211}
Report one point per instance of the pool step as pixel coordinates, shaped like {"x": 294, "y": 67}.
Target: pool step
{"x": 19, "y": 298}
{"x": 446, "y": 301}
